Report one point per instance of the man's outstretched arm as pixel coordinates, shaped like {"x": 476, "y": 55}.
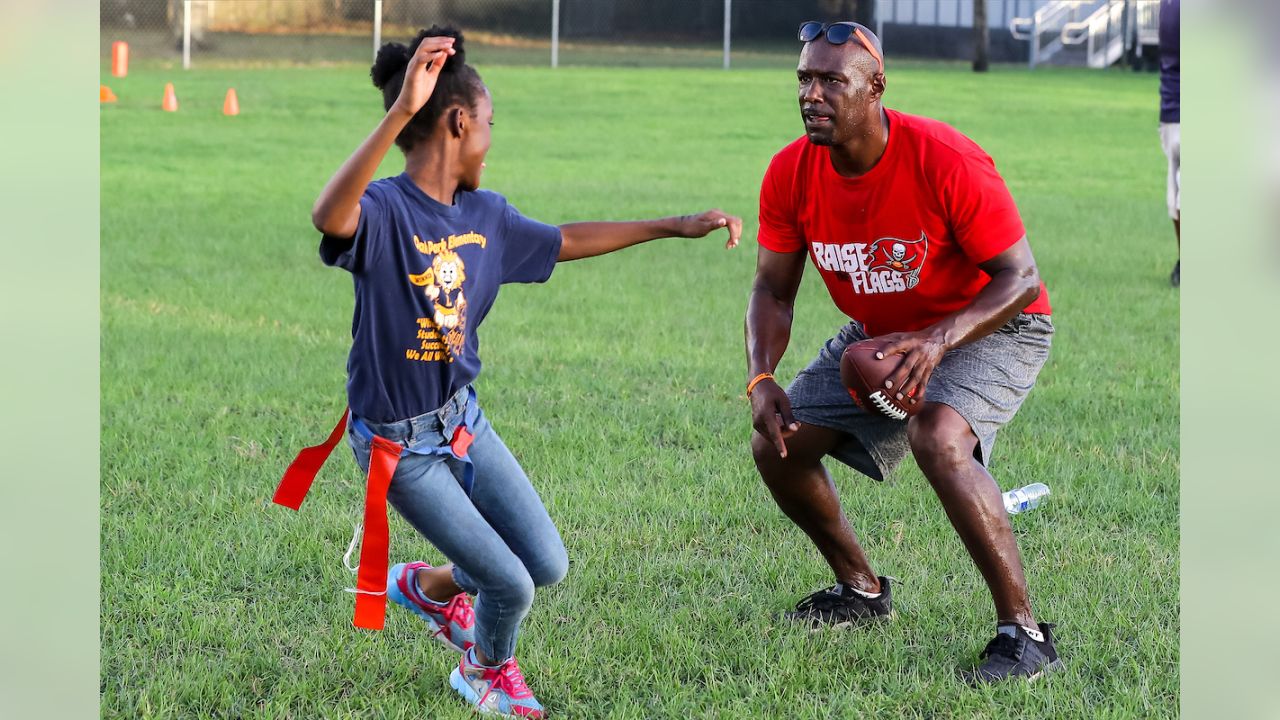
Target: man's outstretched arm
{"x": 768, "y": 331}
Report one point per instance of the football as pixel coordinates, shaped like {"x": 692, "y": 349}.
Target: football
{"x": 864, "y": 376}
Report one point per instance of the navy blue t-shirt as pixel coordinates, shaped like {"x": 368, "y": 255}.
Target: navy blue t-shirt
{"x": 1170, "y": 66}
{"x": 426, "y": 275}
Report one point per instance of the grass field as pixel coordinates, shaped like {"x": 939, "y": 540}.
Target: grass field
{"x": 619, "y": 386}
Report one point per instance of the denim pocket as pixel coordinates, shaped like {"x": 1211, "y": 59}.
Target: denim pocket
{"x": 356, "y": 440}
{"x": 360, "y": 448}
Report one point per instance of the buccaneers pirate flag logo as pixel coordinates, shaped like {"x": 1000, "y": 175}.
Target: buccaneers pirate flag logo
{"x": 900, "y": 256}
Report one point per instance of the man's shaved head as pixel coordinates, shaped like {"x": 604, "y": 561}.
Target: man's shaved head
{"x": 851, "y": 58}
{"x": 840, "y": 87}
{"x": 855, "y": 58}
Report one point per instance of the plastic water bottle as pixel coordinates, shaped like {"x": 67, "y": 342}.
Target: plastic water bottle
{"x": 1025, "y": 498}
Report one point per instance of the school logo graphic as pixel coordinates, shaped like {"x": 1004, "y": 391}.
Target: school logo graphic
{"x": 900, "y": 256}
{"x": 443, "y": 283}
{"x": 442, "y": 335}
{"x": 887, "y": 265}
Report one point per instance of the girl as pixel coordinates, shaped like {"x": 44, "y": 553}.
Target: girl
{"x": 428, "y": 251}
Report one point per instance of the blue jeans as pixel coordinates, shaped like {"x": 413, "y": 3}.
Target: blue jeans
{"x": 501, "y": 540}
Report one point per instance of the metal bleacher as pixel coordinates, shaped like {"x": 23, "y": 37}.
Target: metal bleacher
{"x": 1088, "y": 33}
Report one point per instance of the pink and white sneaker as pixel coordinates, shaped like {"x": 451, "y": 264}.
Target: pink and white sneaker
{"x": 452, "y": 623}
{"x": 495, "y": 690}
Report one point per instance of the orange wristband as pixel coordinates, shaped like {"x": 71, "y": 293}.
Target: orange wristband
{"x": 756, "y": 381}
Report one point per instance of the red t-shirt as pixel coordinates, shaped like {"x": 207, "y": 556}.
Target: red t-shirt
{"x": 898, "y": 247}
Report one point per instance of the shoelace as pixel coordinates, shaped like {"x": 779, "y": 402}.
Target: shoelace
{"x": 511, "y": 681}
{"x": 825, "y": 599}
{"x": 459, "y": 611}
{"x": 1005, "y": 645}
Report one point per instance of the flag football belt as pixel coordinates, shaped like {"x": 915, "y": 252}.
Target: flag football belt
{"x": 384, "y": 456}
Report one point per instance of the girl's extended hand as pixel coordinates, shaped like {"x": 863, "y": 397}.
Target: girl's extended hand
{"x": 700, "y": 225}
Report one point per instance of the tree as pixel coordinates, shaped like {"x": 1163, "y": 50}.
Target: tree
{"x": 981, "y": 37}
{"x": 840, "y": 9}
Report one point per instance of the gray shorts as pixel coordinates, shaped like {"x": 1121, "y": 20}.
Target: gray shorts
{"x": 985, "y": 381}
{"x": 1171, "y": 143}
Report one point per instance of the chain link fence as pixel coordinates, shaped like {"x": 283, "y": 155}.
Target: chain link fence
{"x": 219, "y": 32}
{"x": 648, "y": 33}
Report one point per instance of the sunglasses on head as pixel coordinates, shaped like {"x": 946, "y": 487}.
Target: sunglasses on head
{"x": 838, "y": 33}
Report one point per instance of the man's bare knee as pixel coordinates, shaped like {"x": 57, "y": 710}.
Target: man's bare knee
{"x": 769, "y": 462}
{"x": 805, "y": 449}
{"x": 941, "y": 441}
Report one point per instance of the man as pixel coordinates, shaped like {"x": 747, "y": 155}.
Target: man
{"x": 1170, "y": 120}
{"x": 964, "y": 308}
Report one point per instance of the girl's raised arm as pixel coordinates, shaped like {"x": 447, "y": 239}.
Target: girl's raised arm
{"x": 337, "y": 211}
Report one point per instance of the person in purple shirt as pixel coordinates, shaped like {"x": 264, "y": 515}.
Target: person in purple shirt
{"x": 428, "y": 251}
{"x": 1170, "y": 117}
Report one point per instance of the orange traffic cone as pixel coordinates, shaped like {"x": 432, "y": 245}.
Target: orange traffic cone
{"x": 231, "y": 106}
{"x": 170, "y": 103}
{"x": 105, "y": 95}
{"x": 119, "y": 58}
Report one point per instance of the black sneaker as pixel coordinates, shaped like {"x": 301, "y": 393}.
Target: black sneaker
{"x": 1015, "y": 653}
{"x": 1175, "y": 277}
{"x": 840, "y": 606}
